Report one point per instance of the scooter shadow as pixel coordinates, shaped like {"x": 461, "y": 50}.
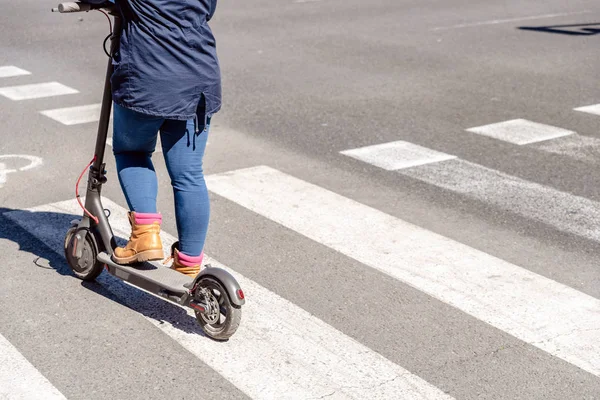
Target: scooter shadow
{"x": 49, "y": 255}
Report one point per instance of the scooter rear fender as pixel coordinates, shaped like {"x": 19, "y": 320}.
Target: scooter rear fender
{"x": 230, "y": 284}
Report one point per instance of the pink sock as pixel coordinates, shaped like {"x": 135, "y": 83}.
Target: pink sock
{"x": 147, "y": 218}
{"x": 190, "y": 261}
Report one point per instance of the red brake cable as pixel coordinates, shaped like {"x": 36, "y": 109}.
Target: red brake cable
{"x": 89, "y": 214}
{"x": 107, "y": 17}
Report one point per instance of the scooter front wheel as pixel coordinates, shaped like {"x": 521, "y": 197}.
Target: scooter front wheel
{"x": 87, "y": 266}
{"x": 221, "y": 318}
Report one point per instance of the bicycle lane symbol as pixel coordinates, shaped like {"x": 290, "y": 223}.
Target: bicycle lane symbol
{"x": 4, "y": 170}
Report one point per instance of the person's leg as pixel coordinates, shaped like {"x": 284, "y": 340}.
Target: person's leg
{"x": 134, "y": 140}
{"x": 183, "y": 150}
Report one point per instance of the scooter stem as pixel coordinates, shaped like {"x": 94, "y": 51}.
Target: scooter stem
{"x": 97, "y": 174}
{"x": 106, "y": 99}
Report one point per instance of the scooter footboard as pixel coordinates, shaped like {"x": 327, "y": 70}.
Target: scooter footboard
{"x": 236, "y": 295}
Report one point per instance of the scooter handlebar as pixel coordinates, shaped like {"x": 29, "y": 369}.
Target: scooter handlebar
{"x": 72, "y": 7}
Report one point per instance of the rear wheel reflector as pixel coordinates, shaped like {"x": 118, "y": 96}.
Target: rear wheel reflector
{"x": 197, "y": 307}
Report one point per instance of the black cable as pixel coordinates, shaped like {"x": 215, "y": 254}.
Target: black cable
{"x": 107, "y": 17}
{"x": 109, "y": 35}
{"x": 104, "y": 45}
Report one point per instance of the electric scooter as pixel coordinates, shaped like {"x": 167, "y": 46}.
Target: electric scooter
{"x": 214, "y": 295}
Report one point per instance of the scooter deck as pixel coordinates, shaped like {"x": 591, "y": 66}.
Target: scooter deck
{"x": 149, "y": 275}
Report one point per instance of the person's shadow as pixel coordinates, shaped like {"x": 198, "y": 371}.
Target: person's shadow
{"x": 105, "y": 285}
{"x": 571, "y": 30}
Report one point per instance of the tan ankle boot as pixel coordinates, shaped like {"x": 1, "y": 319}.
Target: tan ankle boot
{"x": 144, "y": 243}
{"x": 185, "y": 264}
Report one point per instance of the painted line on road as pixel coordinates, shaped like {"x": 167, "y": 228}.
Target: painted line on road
{"x": 8, "y": 71}
{"x": 34, "y": 162}
{"x": 520, "y": 131}
{"x": 279, "y": 352}
{"x": 3, "y": 173}
{"x": 36, "y": 91}
{"x": 553, "y": 317}
{"x": 397, "y": 155}
{"x": 75, "y": 115}
{"x": 578, "y": 147}
{"x": 563, "y": 211}
{"x": 20, "y": 380}
{"x": 593, "y": 109}
{"x": 507, "y": 20}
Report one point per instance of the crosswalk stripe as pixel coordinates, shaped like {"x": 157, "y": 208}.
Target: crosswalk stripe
{"x": 75, "y": 115}
{"x": 553, "y": 317}
{"x": 578, "y": 147}
{"x": 280, "y": 351}
{"x": 593, "y": 109}
{"x": 397, "y": 155}
{"x": 520, "y": 131}
{"x": 35, "y": 91}
{"x": 565, "y": 212}
{"x": 8, "y": 71}
{"x": 19, "y": 380}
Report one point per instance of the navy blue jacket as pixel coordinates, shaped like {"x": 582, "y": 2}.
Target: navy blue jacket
{"x": 167, "y": 63}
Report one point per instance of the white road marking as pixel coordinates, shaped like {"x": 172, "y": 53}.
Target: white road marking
{"x": 563, "y": 211}
{"x": 34, "y": 162}
{"x": 75, "y": 115}
{"x": 9, "y": 71}
{"x": 36, "y": 90}
{"x": 279, "y": 352}
{"x": 397, "y": 155}
{"x": 19, "y": 380}
{"x": 507, "y": 20}
{"x": 582, "y": 148}
{"x": 553, "y": 317}
{"x": 3, "y": 172}
{"x": 521, "y": 131}
{"x": 593, "y": 109}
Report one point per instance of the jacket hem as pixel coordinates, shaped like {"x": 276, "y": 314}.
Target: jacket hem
{"x": 179, "y": 117}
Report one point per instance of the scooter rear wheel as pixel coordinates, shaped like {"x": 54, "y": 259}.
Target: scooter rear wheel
{"x": 221, "y": 318}
{"x": 87, "y": 267}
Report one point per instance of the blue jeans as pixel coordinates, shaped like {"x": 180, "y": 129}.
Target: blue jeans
{"x": 134, "y": 141}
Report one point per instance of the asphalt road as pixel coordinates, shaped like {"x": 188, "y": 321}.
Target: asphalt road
{"x": 477, "y": 275}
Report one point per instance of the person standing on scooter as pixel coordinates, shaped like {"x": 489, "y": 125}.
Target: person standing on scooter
{"x": 167, "y": 80}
